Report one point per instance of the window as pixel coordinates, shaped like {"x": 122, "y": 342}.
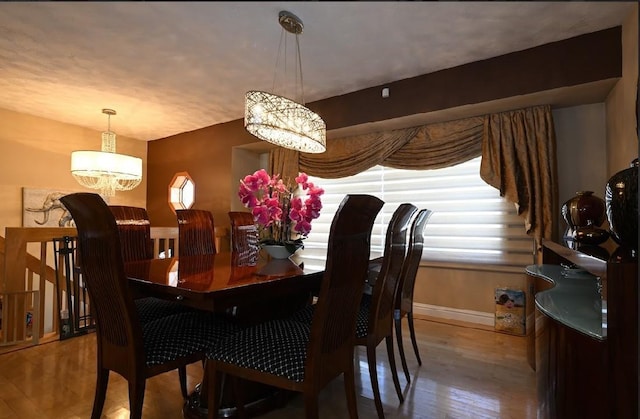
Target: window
{"x": 181, "y": 191}
{"x": 471, "y": 223}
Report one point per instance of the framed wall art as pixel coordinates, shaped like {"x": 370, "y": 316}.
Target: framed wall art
{"x": 42, "y": 208}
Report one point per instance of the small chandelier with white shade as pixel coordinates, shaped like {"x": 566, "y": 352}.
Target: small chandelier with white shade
{"x": 280, "y": 120}
{"x": 106, "y": 170}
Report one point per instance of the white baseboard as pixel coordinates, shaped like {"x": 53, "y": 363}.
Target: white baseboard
{"x": 449, "y": 313}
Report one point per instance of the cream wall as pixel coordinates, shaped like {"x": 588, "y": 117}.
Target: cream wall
{"x": 36, "y": 153}
{"x": 581, "y": 143}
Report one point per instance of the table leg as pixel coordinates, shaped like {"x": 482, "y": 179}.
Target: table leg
{"x": 260, "y": 399}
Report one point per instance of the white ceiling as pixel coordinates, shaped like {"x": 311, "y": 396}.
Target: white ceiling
{"x": 172, "y": 67}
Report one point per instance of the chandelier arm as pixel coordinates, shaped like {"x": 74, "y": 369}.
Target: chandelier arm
{"x": 275, "y": 70}
{"x": 299, "y": 56}
{"x": 285, "y": 79}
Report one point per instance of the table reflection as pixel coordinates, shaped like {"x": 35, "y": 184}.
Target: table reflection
{"x": 210, "y": 273}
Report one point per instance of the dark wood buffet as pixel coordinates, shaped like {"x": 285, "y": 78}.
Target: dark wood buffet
{"x": 585, "y": 345}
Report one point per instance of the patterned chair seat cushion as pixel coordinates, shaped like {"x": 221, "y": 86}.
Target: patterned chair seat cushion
{"x": 362, "y": 320}
{"x": 180, "y": 335}
{"x": 277, "y": 347}
{"x": 305, "y": 315}
{"x": 150, "y": 309}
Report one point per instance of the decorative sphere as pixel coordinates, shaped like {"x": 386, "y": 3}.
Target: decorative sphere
{"x": 621, "y": 197}
{"x": 584, "y": 209}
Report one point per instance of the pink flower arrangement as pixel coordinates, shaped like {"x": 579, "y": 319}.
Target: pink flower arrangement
{"x": 278, "y": 211}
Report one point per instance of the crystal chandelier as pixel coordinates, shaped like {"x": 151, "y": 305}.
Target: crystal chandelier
{"x": 106, "y": 170}
{"x": 280, "y": 120}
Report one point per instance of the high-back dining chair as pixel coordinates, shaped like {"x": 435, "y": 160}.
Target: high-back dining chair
{"x": 134, "y": 350}
{"x": 244, "y": 237}
{"x": 134, "y": 229}
{"x": 135, "y": 232}
{"x": 196, "y": 233}
{"x": 404, "y": 297}
{"x": 375, "y": 318}
{"x": 301, "y": 357}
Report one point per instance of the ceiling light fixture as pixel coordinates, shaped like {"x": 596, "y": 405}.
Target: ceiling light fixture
{"x": 280, "y": 120}
{"x": 106, "y": 170}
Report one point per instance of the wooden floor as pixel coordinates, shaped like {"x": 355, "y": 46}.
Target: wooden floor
{"x": 466, "y": 373}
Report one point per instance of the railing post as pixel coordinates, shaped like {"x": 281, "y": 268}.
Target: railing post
{"x": 14, "y": 275}
{"x": 15, "y": 265}
{"x": 15, "y": 307}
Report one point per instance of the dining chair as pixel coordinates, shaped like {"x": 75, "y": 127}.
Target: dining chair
{"x": 196, "y": 233}
{"x": 134, "y": 229}
{"x": 244, "y": 237}
{"x": 301, "y": 357}
{"x": 374, "y": 322}
{"x": 404, "y": 298}
{"x": 135, "y": 232}
{"x": 126, "y": 346}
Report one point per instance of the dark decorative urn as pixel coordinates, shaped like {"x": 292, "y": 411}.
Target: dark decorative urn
{"x": 621, "y": 197}
{"x": 583, "y": 210}
{"x": 584, "y": 214}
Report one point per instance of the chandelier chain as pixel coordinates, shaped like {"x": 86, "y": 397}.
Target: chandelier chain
{"x": 300, "y": 68}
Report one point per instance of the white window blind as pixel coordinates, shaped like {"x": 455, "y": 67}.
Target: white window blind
{"x": 471, "y": 223}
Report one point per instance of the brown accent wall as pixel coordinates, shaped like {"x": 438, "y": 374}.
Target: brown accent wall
{"x": 579, "y": 60}
{"x": 206, "y": 155}
{"x": 622, "y": 123}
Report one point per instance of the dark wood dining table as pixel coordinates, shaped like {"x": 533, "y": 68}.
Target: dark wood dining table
{"x": 250, "y": 291}
{"x": 221, "y": 281}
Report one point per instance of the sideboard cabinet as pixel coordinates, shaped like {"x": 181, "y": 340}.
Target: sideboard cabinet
{"x": 586, "y": 334}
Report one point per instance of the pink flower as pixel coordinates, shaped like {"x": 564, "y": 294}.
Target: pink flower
{"x": 261, "y": 216}
{"x": 269, "y": 197}
{"x": 302, "y": 179}
{"x": 303, "y": 227}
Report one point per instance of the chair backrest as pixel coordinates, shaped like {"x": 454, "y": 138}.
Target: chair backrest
{"x": 135, "y": 232}
{"x": 404, "y": 298}
{"x": 241, "y": 218}
{"x": 118, "y": 328}
{"x": 383, "y": 296}
{"x": 244, "y": 237}
{"x": 196, "y": 233}
{"x": 333, "y": 327}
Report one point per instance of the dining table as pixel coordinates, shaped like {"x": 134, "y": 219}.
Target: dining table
{"x": 222, "y": 281}
{"x": 249, "y": 290}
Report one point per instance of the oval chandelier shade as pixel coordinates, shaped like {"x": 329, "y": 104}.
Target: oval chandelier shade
{"x": 106, "y": 170}
{"x": 283, "y": 122}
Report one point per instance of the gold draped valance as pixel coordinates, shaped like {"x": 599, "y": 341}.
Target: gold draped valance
{"x": 517, "y": 147}
{"x": 519, "y": 159}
